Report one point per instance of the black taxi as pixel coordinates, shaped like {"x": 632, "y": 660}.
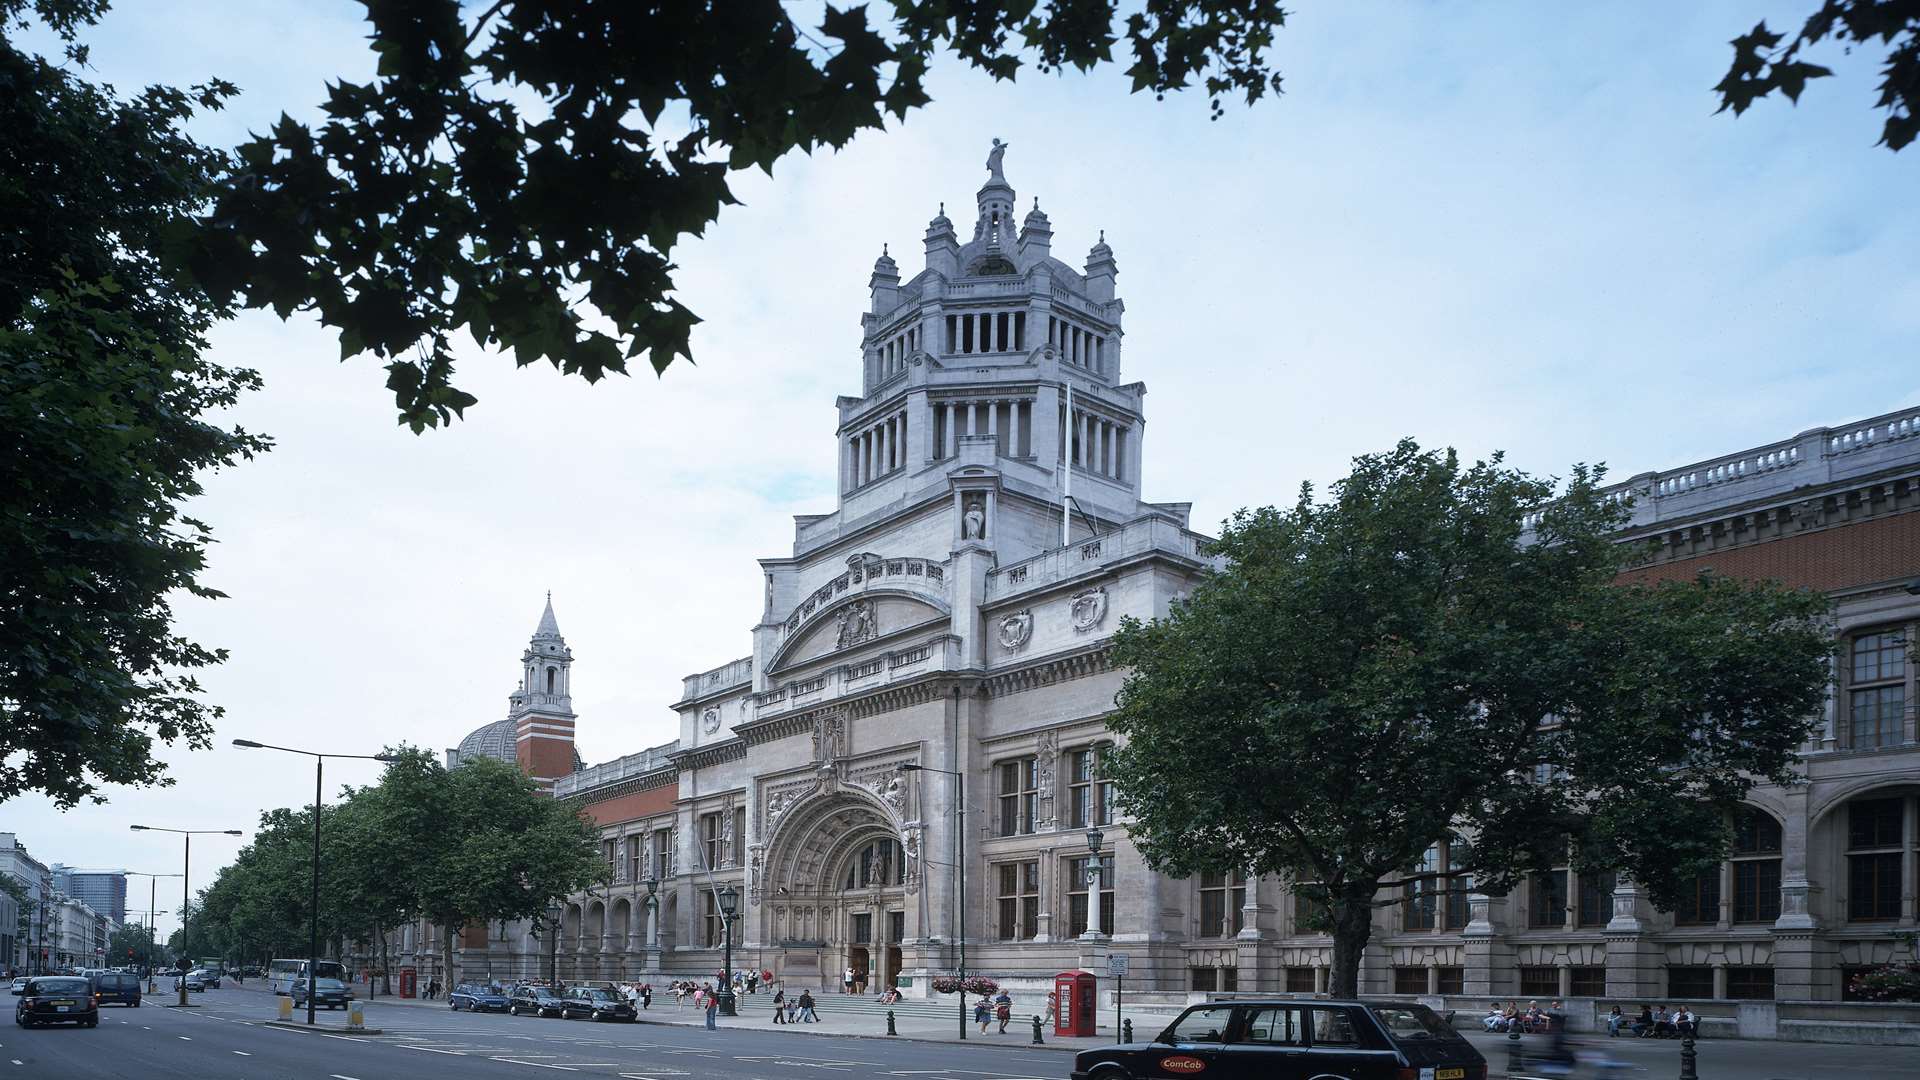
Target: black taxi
{"x": 1289, "y": 1039}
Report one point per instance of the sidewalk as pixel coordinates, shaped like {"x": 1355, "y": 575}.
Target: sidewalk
{"x": 918, "y": 1020}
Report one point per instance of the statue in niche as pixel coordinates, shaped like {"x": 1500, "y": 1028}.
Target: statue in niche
{"x": 994, "y": 157}
{"x": 973, "y": 523}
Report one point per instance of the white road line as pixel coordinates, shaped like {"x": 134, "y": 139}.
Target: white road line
{"x": 339, "y": 1076}
{"x": 243, "y": 1053}
{"x": 537, "y": 1064}
{"x": 183, "y": 1038}
{"x": 431, "y": 1050}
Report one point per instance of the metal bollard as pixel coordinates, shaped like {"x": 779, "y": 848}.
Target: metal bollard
{"x": 891, "y": 1030}
{"x": 1126, "y": 1031}
{"x": 1037, "y": 1041}
{"x": 1513, "y": 1050}
{"x": 1687, "y": 1061}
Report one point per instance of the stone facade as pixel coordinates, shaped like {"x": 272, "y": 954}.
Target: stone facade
{"x": 948, "y": 615}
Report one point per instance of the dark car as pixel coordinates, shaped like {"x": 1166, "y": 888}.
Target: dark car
{"x": 474, "y": 997}
{"x": 327, "y": 994}
{"x": 538, "y": 1000}
{"x": 116, "y": 988}
{"x": 56, "y": 999}
{"x": 596, "y": 1003}
{"x": 1294, "y": 1040}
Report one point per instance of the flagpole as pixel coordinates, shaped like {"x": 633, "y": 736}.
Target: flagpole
{"x": 1066, "y": 462}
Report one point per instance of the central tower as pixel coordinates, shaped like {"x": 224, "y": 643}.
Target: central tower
{"x": 971, "y": 362}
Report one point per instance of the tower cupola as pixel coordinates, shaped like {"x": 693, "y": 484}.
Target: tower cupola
{"x": 1036, "y": 237}
{"x": 542, "y": 708}
{"x": 1101, "y": 270}
{"x": 885, "y": 283}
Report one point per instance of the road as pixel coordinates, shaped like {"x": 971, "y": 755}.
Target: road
{"x": 225, "y": 1039}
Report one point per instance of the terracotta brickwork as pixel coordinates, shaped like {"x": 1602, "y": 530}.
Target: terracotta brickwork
{"x": 1859, "y": 553}
{"x": 634, "y": 805}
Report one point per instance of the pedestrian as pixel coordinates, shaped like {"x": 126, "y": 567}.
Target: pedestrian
{"x": 1053, "y": 1006}
{"x": 713, "y": 1009}
{"x": 779, "y": 1007}
{"x": 983, "y": 1013}
{"x": 753, "y": 981}
{"x": 1614, "y": 1019}
{"x": 433, "y": 989}
{"x": 1003, "y": 1010}
{"x": 806, "y": 1007}
{"x": 847, "y": 981}
{"x": 646, "y": 995}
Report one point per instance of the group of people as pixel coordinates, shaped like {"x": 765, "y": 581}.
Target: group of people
{"x": 794, "y": 1010}
{"x": 1655, "y": 1023}
{"x": 989, "y": 1009}
{"x": 1511, "y": 1017}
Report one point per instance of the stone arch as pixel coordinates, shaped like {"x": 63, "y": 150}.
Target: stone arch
{"x": 805, "y": 625}
{"x": 1842, "y": 794}
{"x": 809, "y": 838}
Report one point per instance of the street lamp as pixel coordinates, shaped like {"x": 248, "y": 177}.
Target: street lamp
{"x": 153, "y": 914}
{"x": 186, "y": 869}
{"x": 729, "y": 902}
{"x": 960, "y": 900}
{"x": 553, "y": 941}
{"x": 1094, "y": 837}
{"x": 313, "y": 924}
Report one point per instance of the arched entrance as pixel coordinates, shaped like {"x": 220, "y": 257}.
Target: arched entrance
{"x": 837, "y": 883}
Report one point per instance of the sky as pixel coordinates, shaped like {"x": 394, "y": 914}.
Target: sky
{"x": 1498, "y": 226}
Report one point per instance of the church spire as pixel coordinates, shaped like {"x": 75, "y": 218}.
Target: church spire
{"x": 549, "y": 628}
{"x": 542, "y": 709}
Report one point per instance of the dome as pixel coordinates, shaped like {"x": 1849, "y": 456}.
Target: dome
{"x": 496, "y": 740}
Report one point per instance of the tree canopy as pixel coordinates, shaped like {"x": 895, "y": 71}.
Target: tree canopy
{"x": 1404, "y": 664}
{"x": 1763, "y": 65}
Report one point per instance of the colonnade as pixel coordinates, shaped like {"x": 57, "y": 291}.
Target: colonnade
{"x": 975, "y": 332}
{"x": 875, "y": 452}
{"x": 1098, "y": 444}
{"x": 991, "y": 416}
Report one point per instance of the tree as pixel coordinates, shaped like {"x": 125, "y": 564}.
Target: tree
{"x": 131, "y": 944}
{"x": 521, "y": 172}
{"x": 104, "y": 396}
{"x": 1762, "y": 65}
{"x": 1403, "y": 664}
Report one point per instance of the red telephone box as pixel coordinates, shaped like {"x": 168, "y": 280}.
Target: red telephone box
{"x": 1075, "y": 1007}
{"x": 409, "y": 982}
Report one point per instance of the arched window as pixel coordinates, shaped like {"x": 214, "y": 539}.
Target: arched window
{"x": 878, "y": 863}
{"x": 1756, "y": 866}
{"x": 550, "y": 677}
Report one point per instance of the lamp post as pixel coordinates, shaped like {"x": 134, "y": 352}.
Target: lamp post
{"x": 960, "y": 861}
{"x": 729, "y": 902}
{"x": 653, "y": 916}
{"x": 152, "y": 906}
{"x": 186, "y": 882}
{"x": 1094, "y": 837}
{"x": 313, "y": 924}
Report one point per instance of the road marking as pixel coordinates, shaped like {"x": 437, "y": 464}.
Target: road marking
{"x": 339, "y": 1076}
{"x": 183, "y": 1038}
{"x": 537, "y": 1064}
{"x": 243, "y": 1053}
{"x": 431, "y": 1050}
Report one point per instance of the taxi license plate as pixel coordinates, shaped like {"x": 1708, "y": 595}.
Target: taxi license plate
{"x": 60, "y": 1008}
{"x": 1449, "y": 1074}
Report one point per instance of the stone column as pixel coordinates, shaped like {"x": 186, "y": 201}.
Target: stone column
{"x": 1489, "y": 956}
{"x": 1043, "y": 428}
{"x": 953, "y": 431}
{"x": 1634, "y": 961}
{"x": 1802, "y": 957}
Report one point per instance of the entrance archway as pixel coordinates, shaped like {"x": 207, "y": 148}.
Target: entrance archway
{"x": 836, "y": 893}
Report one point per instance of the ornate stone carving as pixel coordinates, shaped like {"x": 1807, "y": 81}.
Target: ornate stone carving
{"x": 1089, "y": 608}
{"x": 756, "y": 855}
{"x": 710, "y": 720}
{"x": 777, "y": 807}
{"x": 1045, "y": 756}
{"x": 1016, "y": 629}
{"x": 829, "y": 737}
{"x": 910, "y": 849}
{"x": 620, "y": 859}
{"x": 727, "y": 857}
{"x": 856, "y": 624}
{"x": 891, "y": 788}
{"x": 973, "y": 523}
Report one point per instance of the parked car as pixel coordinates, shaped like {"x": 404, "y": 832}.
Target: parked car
{"x": 475, "y": 997}
{"x": 327, "y": 994}
{"x": 1293, "y": 1040}
{"x": 596, "y": 1003}
{"x": 56, "y": 999}
{"x": 538, "y": 1000}
{"x": 116, "y": 987}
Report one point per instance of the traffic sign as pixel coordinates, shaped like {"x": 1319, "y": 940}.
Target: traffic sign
{"x": 1117, "y": 965}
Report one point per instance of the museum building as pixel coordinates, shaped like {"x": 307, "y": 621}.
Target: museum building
{"x": 923, "y": 705}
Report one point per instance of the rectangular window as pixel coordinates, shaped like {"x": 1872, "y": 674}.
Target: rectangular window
{"x": 1019, "y": 789}
{"x": 1077, "y": 875}
{"x": 1549, "y": 899}
{"x": 1874, "y": 823}
{"x": 896, "y": 927}
{"x": 1873, "y": 887}
{"x": 1756, "y": 890}
{"x": 862, "y": 933}
{"x": 636, "y": 857}
{"x": 1877, "y": 689}
{"x": 1019, "y": 900}
{"x": 1089, "y": 793}
{"x": 1205, "y": 978}
{"x": 1222, "y": 897}
{"x": 1590, "y": 982}
{"x": 1700, "y": 904}
{"x": 713, "y": 926}
{"x": 1690, "y": 982}
{"x": 1419, "y": 904}
{"x": 1299, "y": 980}
{"x": 737, "y": 856}
{"x": 662, "y": 853}
{"x": 710, "y": 838}
{"x": 1596, "y": 898}
{"x": 1409, "y": 980}
{"x": 1539, "y": 982}
{"x": 1453, "y": 980}
{"x": 1750, "y": 983}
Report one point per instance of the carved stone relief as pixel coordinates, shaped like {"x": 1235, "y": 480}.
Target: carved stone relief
{"x": 710, "y": 720}
{"x": 829, "y": 737}
{"x": 1045, "y": 757}
{"x": 856, "y": 624}
{"x": 1016, "y": 629}
{"x": 756, "y": 855}
{"x": 1089, "y": 609}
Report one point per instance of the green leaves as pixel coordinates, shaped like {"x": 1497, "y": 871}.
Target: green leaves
{"x": 1402, "y": 662}
{"x": 429, "y": 205}
{"x": 1761, "y": 65}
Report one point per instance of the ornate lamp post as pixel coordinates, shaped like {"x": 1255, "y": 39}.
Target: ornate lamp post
{"x": 1094, "y": 837}
{"x": 553, "y": 940}
{"x": 729, "y": 902}
{"x": 313, "y": 922}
